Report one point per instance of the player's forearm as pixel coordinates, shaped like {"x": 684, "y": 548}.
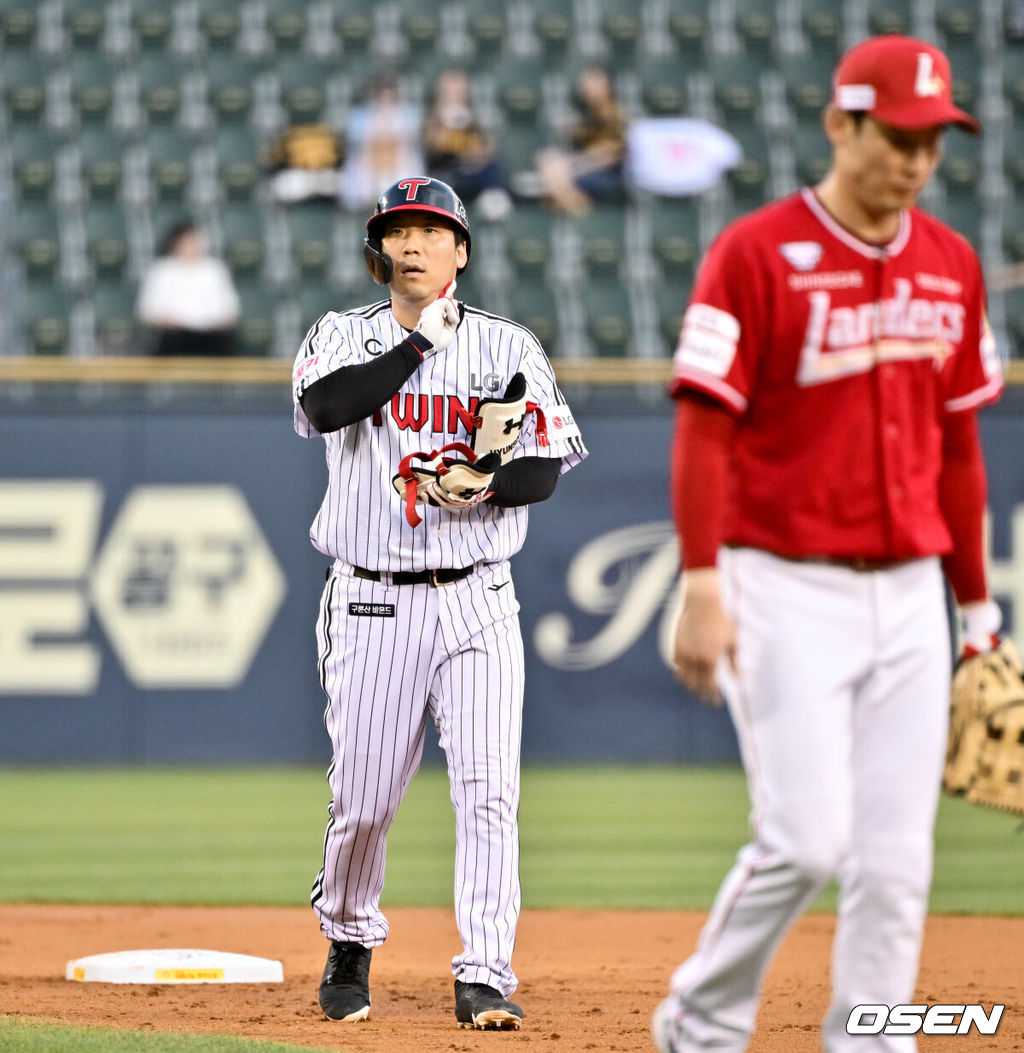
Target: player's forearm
{"x": 962, "y": 494}
{"x": 699, "y": 475}
{"x": 525, "y": 481}
{"x": 352, "y": 393}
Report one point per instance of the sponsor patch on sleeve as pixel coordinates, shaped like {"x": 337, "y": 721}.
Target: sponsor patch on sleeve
{"x": 561, "y": 424}
{"x": 708, "y": 340}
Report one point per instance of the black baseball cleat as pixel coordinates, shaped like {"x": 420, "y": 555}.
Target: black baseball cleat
{"x": 483, "y": 1008}
{"x": 345, "y": 985}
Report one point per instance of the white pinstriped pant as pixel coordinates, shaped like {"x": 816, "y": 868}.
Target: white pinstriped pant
{"x": 840, "y": 704}
{"x": 455, "y": 654}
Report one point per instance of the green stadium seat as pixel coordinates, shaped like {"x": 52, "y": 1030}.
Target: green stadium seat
{"x": 737, "y": 88}
{"x": 671, "y": 298}
{"x": 957, "y": 22}
{"x": 18, "y": 24}
{"x": 960, "y": 168}
{"x": 106, "y": 239}
{"x": 92, "y": 90}
{"x": 101, "y": 151}
{"x": 238, "y": 153}
{"x": 528, "y": 239}
{"x": 755, "y": 24}
{"x": 487, "y": 25}
{"x": 608, "y": 318}
{"x": 311, "y": 228}
{"x": 161, "y": 76}
{"x": 822, "y": 24}
{"x": 420, "y": 24}
{"x": 812, "y": 153}
{"x": 303, "y": 82}
{"x": 24, "y": 75}
{"x": 256, "y": 325}
{"x": 355, "y": 24}
{"x": 534, "y": 305}
{"x": 890, "y": 16}
{"x": 602, "y": 234}
{"x": 169, "y": 154}
{"x": 675, "y": 238}
{"x": 518, "y": 90}
{"x": 243, "y": 239}
{"x": 152, "y": 22}
{"x": 220, "y": 22}
{"x": 663, "y": 86}
{"x": 230, "y": 85}
{"x": 553, "y": 26}
{"x": 116, "y": 330}
{"x": 35, "y": 240}
{"x": 287, "y": 24}
{"x": 315, "y": 298}
{"x": 620, "y": 27}
{"x": 44, "y": 318}
{"x": 688, "y": 27}
{"x": 32, "y": 152}
{"x": 85, "y": 22}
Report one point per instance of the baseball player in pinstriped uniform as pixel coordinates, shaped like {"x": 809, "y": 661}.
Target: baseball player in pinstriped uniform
{"x": 826, "y": 471}
{"x": 419, "y": 622}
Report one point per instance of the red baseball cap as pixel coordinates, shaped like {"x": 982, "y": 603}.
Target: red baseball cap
{"x": 900, "y": 80}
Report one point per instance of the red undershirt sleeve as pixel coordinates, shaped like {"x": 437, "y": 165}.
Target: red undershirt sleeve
{"x": 701, "y": 448}
{"x": 963, "y": 492}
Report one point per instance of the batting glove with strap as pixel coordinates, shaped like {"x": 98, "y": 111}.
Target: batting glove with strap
{"x": 462, "y": 484}
{"x": 424, "y": 483}
{"x": 437, "y": 324}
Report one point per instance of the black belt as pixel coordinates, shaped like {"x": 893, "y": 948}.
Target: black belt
{"x": 860, "y": 564}
{"x": 416, "y": 577}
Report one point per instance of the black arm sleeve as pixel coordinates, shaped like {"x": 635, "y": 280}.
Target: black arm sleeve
{"x": 352, "y": 393}
{"x": 525, "y": 481}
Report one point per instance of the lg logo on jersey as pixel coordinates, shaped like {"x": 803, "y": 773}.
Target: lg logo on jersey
{"x": 184, "y": 585}
{"x": 929, "y": 1020}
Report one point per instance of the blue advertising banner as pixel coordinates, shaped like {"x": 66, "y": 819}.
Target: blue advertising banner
{"x": 158, "y": 590}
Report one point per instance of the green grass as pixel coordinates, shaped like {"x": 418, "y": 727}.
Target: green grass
{"x": 27, "y": 1036}
{"x": 647, "y": 837}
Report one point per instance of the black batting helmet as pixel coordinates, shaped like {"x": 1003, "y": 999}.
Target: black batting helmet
{"x": 416, "y": 194}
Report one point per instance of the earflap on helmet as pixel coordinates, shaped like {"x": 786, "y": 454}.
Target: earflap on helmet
{"x": 380, "y": 265}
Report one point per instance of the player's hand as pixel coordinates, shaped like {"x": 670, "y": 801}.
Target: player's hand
{"x": 437, "y": 495}
{"x": 704, "y": 634}
{"x": 437, "y": 324}
{"x": 979, "y": 625}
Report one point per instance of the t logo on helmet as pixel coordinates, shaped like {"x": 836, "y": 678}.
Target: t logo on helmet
{"x": 411, "y": 187}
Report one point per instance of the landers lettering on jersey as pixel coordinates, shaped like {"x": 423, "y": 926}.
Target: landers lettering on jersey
{"x": 843, "y": 341}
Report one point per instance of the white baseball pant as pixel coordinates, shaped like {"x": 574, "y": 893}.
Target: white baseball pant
{"x": 453, "y": 653}
{"x": 840, "y": 701}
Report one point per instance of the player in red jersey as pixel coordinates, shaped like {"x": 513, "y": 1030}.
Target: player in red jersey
{"x": 827, "y": 477}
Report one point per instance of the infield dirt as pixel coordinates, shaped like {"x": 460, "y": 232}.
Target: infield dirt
{"x": 588, "y": 979}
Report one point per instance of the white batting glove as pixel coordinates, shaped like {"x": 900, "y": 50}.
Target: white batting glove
{"x": 437, "y": 325}
{"x": 439, "y": 496}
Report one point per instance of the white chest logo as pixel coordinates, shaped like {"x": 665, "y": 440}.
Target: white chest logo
{"x": 801, "y": 255}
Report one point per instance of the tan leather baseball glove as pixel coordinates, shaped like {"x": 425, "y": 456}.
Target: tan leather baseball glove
{"x": 985, "y": 750}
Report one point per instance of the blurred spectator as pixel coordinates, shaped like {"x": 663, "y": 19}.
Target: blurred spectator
{"x": 460, "y": 151}
{"x": 187, "y": 299}
{"x": 590, "y": 169}
{"x": 384, "y": 135}
{"x": 306, "y": 162}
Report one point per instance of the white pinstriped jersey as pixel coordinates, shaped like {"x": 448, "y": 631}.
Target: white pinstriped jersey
{"x": 362, "y": 518}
